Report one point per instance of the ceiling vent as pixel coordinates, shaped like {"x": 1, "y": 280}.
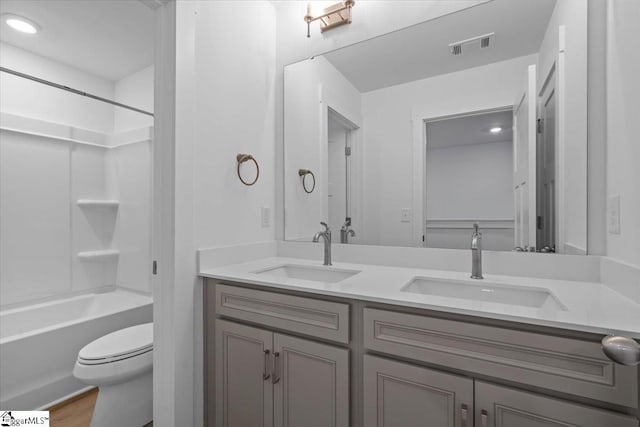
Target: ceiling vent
{"x": 483, "y": 41}
{"x": 154, "y": 4}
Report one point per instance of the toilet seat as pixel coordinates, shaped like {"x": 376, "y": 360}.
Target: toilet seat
{"x": 119, "y": 345}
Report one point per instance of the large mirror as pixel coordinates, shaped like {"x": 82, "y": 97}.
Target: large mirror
{"x": 411, "y": 138}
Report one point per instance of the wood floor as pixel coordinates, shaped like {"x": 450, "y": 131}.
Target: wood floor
{"x": 75, "y": 412}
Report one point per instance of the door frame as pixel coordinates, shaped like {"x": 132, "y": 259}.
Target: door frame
{"x": 329, "y": 100}
{"x": 419, "y": 120}
{"x": 556, "y": 73}
{"x": 529, "y": 97}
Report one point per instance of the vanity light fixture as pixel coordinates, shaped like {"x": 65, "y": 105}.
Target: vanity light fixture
{"x": 20, "y": 23}
{"x": 330, "y": 17}
{"x": 495, "y": 130}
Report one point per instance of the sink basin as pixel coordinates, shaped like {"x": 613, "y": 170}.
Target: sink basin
{"x": 309, "y": 272}
{"x": 486, "y": 292}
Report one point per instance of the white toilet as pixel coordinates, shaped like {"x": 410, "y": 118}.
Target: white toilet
{"x": 120, "y": 364}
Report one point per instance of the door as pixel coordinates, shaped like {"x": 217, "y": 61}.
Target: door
{"x": 311, "y": 383}
{"x": 339, "y": 137}
{"x": 398, "y": 394}
{"x": 498, "y": 406}
{"x": 524, "y": 162}
{"x": 547, "y": 166}
{"x": 244, "y": 393}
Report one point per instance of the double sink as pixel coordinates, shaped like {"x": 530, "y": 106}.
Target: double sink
{"x": 470, "y": 290}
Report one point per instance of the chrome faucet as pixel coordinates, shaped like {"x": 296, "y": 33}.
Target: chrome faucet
{"x": 346, "y": 231}
{"x": 476, "y": 253}
{"x": 326, "y": 235}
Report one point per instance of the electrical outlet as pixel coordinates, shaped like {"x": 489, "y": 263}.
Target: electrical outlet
{"x": 405, "y": 215}
{"x": 266, "y": 217}
{"x": 613, "y": 215}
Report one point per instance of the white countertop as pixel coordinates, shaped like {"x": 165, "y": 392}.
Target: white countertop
{"x": 590, "y": 307}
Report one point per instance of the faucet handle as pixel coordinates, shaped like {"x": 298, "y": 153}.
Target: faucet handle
{"x": 476, "y": 227}
{"x": 324, "y": 224}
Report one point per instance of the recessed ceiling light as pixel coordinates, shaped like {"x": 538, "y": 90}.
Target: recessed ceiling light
{"x": 20, "y": 23}
{"x": 495, "y": 130}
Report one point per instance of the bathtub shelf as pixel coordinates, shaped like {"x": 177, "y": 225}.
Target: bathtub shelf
{"x": 98, "y": 203}
{"x": 97, "y": 255}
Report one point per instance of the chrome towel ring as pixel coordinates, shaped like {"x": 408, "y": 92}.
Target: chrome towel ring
{"x": 241, "y": 158}
{"x": 303, "y": 173}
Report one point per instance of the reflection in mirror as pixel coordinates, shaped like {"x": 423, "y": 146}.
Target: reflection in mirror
{"x": 477, "y": 116}
{"x": 338, "y": 178}
{"x": 468, "y": 179}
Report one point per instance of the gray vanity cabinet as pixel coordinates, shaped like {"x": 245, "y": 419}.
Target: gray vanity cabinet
{"x": 244, "y": 395}
{"x": 266, "y": 379}
{"x": 366, "y": 365}
{"x": 399, "y": 394}
{"x": 313, "y": 390}
{"x": 498, "y": 406}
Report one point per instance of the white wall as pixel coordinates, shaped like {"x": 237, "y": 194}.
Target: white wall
{"x": 35, "y": 257}
{"x": 388, "y": 136}
{"x": 129, "y": 175}
{"x": 623, "y": 126}
{"x": 307, "y": 82}
{"x": 235, "y": 114}
{"x": 572, "y": 14}
{"x": 35, "y": 100}
{"x": 129, "y": 170}
{"x": 135, "y": 90}
{"x": 471, "y": 182}
{"x": 224, "y": 105}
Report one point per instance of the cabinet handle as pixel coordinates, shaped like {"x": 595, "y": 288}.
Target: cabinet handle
{"x": 265, "y": 374}
{"x": 484, "y": 418}
{"x": 276, "y": 376}
{"x": 463, "y": 415}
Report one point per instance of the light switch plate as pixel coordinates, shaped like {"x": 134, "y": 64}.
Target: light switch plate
{"x": 405, "y": 215}
{"x": 266, "y": 217}
{"x": 613, "y": 215}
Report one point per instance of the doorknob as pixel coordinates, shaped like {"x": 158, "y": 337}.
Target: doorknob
{"x": 623, "y": 350}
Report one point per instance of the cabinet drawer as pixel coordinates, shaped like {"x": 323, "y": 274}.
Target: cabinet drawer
{"x": 506, "y": 407}
{"x": 566, "y": 365}
{"x": 321, "y": 319}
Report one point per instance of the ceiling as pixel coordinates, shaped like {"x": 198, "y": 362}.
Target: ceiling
{"x": 422, "y": 51}
{"x": 469, "y": 130}
{"x": 110, "y": 39}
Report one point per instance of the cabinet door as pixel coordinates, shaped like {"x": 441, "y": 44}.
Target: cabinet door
{"x": 311, "y": 383}
{"x": 399, "y": 394}
{"x": 498, "y": 406}
{"x": 244, "y": 394}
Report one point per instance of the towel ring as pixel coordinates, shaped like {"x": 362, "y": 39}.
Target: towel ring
{"x": 241, "y": 158}
{"x": 303, "y": 173}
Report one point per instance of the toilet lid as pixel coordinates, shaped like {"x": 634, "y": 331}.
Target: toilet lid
{"x": 118, "y": 345}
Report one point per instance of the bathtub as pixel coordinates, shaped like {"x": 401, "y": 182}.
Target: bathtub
{"x": 39, "y": 343}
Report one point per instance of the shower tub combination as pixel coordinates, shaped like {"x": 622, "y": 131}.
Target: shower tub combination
{"x": 39, "y": 343}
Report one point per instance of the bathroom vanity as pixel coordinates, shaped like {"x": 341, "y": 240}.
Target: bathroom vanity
{"x": 292, "y": 343}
